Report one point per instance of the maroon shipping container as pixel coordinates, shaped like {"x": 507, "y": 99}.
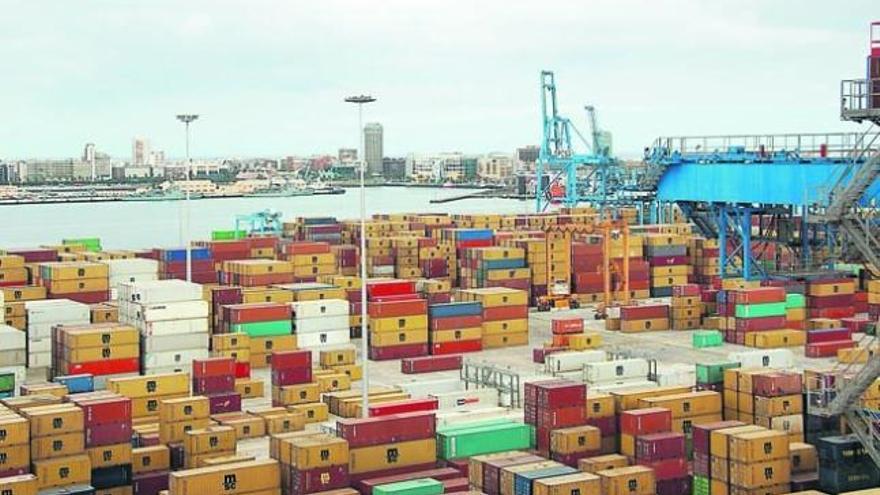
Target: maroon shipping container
{"x": 226, "y": 295}
{"x": 213, "y": 384}
{"x": 428, "y": 364}
{"x": 828, "y": 335}
{"x": 668, "y": 260}
{"x": 668, "y": 469}
{"x": 759, "y": 324}
{"x": 644, "y": 312}
{"x": 833, "y": 313}
{"x": 355, "y": 478}
{"x": 492, "y": 471}
{"x": 835, "y": 301}
{"x": 645, "y": 421}
{"x": 776, "y": 384}
{"x": 857, "y": 324}
{"x": 291, "y": 359}
{"x": 702, "y": 465}
{"x": 35, "y": 255}
{"x": 687, "y": 290}
{"x": 13, "y": 472}
{"x": 827, "y": 349}
{"x": 367, "y": 485}
{"x": 506, "y": 313}
{"x": 518, "y": 284}
{"x": 659, "y": 446}
{"x": 456, "y": 485}
{"x": 674, "y": 486}
{"x": 560, "y": 394}
{"x": 540, "y": 353}
{"x": 702, "y": 432}
{"x": 84, "y": 297}
{"x": 224, "y": 402}
{"x": 398, "y": 351}
{"x": 758, "y": 295}
{"x": 317, "y": 479}
{"x": 530, "y": 389}
{"x": 456, "y": 322}
{"x": 290, "y": 376}
{"x": 103, "y": 411}
{"x": 573, "y": 458}
{"x": 463, "y": 466}
{"x": 607, "y": 425}
{"x": 149, "y": 483}
{"x": 108, "y": 434}
{"x": 363, "y": 432}
{"x": 213, "y": 367}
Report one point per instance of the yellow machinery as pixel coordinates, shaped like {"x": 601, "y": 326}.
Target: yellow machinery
{"x": 613, "y": 231}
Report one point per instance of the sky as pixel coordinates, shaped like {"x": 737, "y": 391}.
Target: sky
{"x": 268, "y": 77}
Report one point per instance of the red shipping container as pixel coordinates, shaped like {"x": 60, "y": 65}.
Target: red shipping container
{"x": 856, "y": 324}
{"x": 456, "y": 485}
{"x": 442, "y": 348}
{"x": 305, "y": 247}
{"x": 776, "y": 383}
{"x": 456, "y": 322}
{"x": 242, "y": 370}
{"x": 403, "y": 406}
{"x": 645, "y": 421}
{"x": 833, "y": 313}
{"x": 540, "y": 353}
{"x": 827, "y": 349}
{"x": 82, "y": 297}
{"x": 659, "y": 446}
{"x": 255, "y": 312}
{"x": 317, "y": 479}
{"x": 390, "y": 288}
{"x": 702, "y": 432}
{"x": 398, "y": 351}
{"x": 262, "y": 242}
{"x": 396, "y": 297}
{"x": 506, "y": 313}
{"x": 108, "y": 434}
{"x": 105, "y": 367}
{"x": 837, "y": 301}
{"x": 563, "y": 326}
{"x": 398, "y": 308}
{"x": 104, "y": 411}
{"x": 562, "y": 417}
{"x": 213, "y": 384}
{"x": 291, "y": 359}
{"x": 758, "y": 295}
{"x": 760, "y": 324}
{"x": 563, "y": 393}
{"x": 211, "y": 367}
{"x": 668, "y": 469}
{"x": 573, "y": 458}
{"x": 226, "y": 295}
{"x": 290, "y": 376}
{"x": 429, "y": 364}
{"x": 363, "y": 432}
{"x": 355, "y": 478}
{"x": 644, "y": 312}
{"x": 687, "y": 290}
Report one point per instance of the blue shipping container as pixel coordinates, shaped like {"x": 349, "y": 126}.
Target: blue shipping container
{"x": 522, "y": 484}
{"x": 473, "y": 234}
{"x": 77, "y": 384}
{"x": 503, "y": 264}
{"x": 179, "y": 254}
{"x": 447, "y": 310}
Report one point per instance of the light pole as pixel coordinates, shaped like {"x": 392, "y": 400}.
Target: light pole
{"x": 187, "y": 119}
{"x": 365, "y": 382}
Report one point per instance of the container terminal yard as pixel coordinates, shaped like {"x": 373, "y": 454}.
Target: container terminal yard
{"x": 707, "y": 326}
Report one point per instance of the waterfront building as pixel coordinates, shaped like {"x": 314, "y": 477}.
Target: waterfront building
{"x": 373, "y": 148}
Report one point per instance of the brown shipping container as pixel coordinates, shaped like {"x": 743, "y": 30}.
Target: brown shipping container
{"x": 758, "y": 446}
{"x": 632, "y": 480}
{"x": 602, "y": 463}
{"x": 760, "y": 474}
{"x": 228, "y": 479}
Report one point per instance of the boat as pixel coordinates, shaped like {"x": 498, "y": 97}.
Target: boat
{"x": 280, "y": 192}
{"x": 160, "y": 195}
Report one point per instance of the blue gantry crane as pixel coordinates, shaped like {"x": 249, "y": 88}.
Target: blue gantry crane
{"x": 265, "y": 222}
{"x": 588, "y": 176}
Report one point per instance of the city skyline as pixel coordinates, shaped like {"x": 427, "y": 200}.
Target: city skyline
{"x": 121, "y": 71}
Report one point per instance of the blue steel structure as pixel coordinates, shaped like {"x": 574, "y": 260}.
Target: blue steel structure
{"x": 260, "y": 223}
{"x": 590, "y": 176}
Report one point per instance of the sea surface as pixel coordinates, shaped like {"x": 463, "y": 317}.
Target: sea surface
{"x": 135, "y": 224}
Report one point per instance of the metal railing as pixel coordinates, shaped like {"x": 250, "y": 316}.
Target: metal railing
{"x": 859, "y": 98}
{"x": 834, "y": 145}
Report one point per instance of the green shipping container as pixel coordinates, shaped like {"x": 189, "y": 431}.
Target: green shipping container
{"x": 92, "y": 244}
{"x": 713, "y": 373}
{"x": 795, "y": 301}
{"x": 700, "y": 485}
{"x": 484, "y": 440}
{"x": 707, "y": 338}
{"x": 228, "y": 235}
{"x": 760, "y": 310}
{"x": 264, "y": 328}
{"x": 7, "y": 382}
{"x": 459, "y": 427}
{"x": 422, "y": 486}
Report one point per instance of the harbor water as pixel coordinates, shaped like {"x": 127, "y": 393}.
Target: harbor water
{"x": 135, "y": 224}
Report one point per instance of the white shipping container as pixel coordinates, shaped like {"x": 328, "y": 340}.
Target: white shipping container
{"x": 324, "y": 324}
{"x": 764, "y": 358}
{"x": 572, "y": 361}
{"x": 182, "y": 357}
{"x": 422, "y": 388}
{"x": 382, "y": 270}
{"x": 12, "y": 338}
{"x": 320, "y": 308}
{"x": 131, "y": 266}
{"x": 174, "y": 327}
{"x": 165, "y": 343}
{"x": 323, "y": 339}
{"x": 451, "y": 417}
{"x": 677, "y": 375}
{"x": 13, "y": 357}
{"x": 159, "y": 370}
{"x": 56, "y": 311}
{"x": 615, "y": 371}
{"x": 607, "y": 388}
{"x": 575, "y": 376}
{"x": 160, "y": 291}
{"x": 130, "y": 278}
{"x": 466, "y": 399}
{"x": 39, "y": 359}
{"x": 172, "y": 311}
{"x": 39, "y": 345}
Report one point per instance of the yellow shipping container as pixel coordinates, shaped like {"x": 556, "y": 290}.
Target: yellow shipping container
{"x": 54, "y": 420}
{"x": 507, "y": 340}
{"x": 627, "y": 400}
{"x": 314, "y": 452}
{"x": 497, "y": 296}
{"x": 297, "y": 394}
{"x": 24, "y": 293}
{"x": 758, "y": 446}
{"x": 14, "y": 430}
{"x": 575, "y": 439}
{"x": 80, "y": 285}
{"x": 583, "y": 341}
{"x": 394, "y": 324}
{"x": 110, "y": 455}
{"x": 379, "y": 457}
{"x": 176, "y": 432}
{"x": 333, "y": 382}
{"x": 760, "y": 474}
{"x": 688, "y": 404}
{"x": 253, "y": 295}
{"x": 599, "y": 405}
{"x": 90, "y": 354}
{"x": 245, "y": 425}
{"x": 319, "y": 294}
{"x": 149, "y": 406}
{"x": 229, "y": 479}
{"x": 398, "y": 337}
{"x": 440, "y": 336}
{"x": 287, "y": 422}
{"x": 602, "y": 462}
{"x": 264, "y": 345}
{"x": 314, "y": 412}
{"x": 779, "y": 406}
{"x": 653, "y": 324}
{"x": 314, "y": 270}
{"x": 503, "y": 327}
{"x": 210, "y": 439}
{"x": 776, "y": 338}
{"x": 25, "y": 484}
{"x": 60, "y": 445}
{"x": 249, "y": 388}
{"x": 150, "y": 386}
{"x": 719, "y": 438}
{"x": 335, "y": 357}
{"x": 230, "y": 341}
{"x": 837, "y": 289}
{"x": 182, "y": 409}
{"x": 70, "y": 470}
{"x": 631, "y": 480}
{"x": 579, "y": 484}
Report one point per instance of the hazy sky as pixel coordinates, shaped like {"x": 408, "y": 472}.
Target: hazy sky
{"x": 269, "y": 77}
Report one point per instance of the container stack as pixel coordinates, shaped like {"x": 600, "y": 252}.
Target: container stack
{"x": 101, "y": 350}
{"x": 759, "y": 461}
{"x": 314, "y": 463}
{"x": 704, "y": 255}
{"x": 827, "y": 342}
{"x": 795, "y": 311}
{"x": 13, "y": 360}
{"x": 347, "y": 259}
{"x": 12, "y": 270}
{"x": 665, "y": 454}
{"x": 804, "y": 466}
{"x": 505, "y": 315}
{"x": 844, "y": 465}
{"x": 15, "y": 314}
{"x": 181, "y": 415}
{"x": 310, "y": 260}
{"x": 83, "y": 282}
{"x": 398, "y": 324}
{"x": 455, "y": 327}
{"x": 107, "y": 425}
{"x": 711, "y": 377}
{"x": 42, "y": 316}
{"x": 201, "y": 445}
{"x": 570, "y": 445}
{"x": 667, "y": 256}
{"x": 558, "y": 259}
{"x": 222, "y": 296}
{"x": 484, "y": 470}
{"x": 535, "y": 249}
{"x": 831, "y": 298}
{"x": 215, "y": 379}
{"x": 653, "y": 317}
{"x": 411, "y": 436}
{"x": 172, "y": 264}
{"x": 227, "y": 250}
{"x": 435, "y": 291}
{"x": 147, "y": 392}
{"x": 256, "y": 273}
{"x": 587, "y": 280}
{"x": 249, "y": 478}
{"x": 778, "y": 402}
{"x": 341, "y": 360}
{"x": 321, "y": 323}
{"x": 600, "y": 413}
{"x": 172, "y": 319}
{"x": 292, "y": 378}
{"x": 495, "y": 267}
{"x": 640, "y": 272}
{"x": 255, "y": 320}
{"x": 16, "y": 445}
{"x": 688, "y": 409}
{"x": 756, "y": 310}
{"x": 405, "y": 251}
{"x": 434, "y": 258}
{"x": 235, "y": 346}
{"x": 552, "y": 405}
{"x": 686, "y": 307}
{"x": 638, "y": 422}
{"x": 702, "y": 466}
{"x": 380, "y": 261}
{"x": 130, "y": 270}
{"x": 57, "y": 451}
